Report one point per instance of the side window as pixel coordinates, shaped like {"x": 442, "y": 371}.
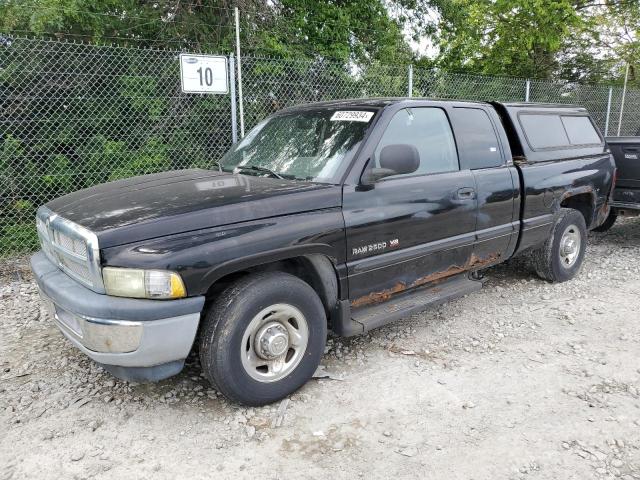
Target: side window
{"x": 580, "y": 130}
{"x": 428, "y": 129}
{"x": 479, "y": 146}
{"x": 544, "y": 131}
{"x": 558, "y": 131}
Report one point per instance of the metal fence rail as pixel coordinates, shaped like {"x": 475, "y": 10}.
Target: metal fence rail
{"x": 75, "y": 115}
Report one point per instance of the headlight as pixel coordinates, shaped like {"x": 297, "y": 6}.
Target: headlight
{"x": 134, "y": 283}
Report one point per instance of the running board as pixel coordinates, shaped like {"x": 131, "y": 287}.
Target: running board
{"x": 366, "y": 318}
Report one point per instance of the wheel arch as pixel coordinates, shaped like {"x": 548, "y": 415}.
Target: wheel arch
{"x": 316, "y": 267}
{"x": 582, "y": 199}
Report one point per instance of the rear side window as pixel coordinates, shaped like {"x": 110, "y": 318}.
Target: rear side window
{"x": 580, "y": 130}
{"x": 558, "y": 131}
{"x": 544, "y": 131}
{"x": 477, "y": 139}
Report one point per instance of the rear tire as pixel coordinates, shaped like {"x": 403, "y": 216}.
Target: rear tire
{"x": 561, "y": 256}
{"x": 263, "y": 338}
{"x": 608, "y": 223}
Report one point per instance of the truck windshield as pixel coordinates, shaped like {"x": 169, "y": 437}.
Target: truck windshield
{"x": 306, "y": 145}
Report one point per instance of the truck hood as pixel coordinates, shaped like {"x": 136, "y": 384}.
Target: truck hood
{"x": 151, "y": 206}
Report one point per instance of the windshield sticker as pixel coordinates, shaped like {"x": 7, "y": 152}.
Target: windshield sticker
{"x": 351, "y": 116}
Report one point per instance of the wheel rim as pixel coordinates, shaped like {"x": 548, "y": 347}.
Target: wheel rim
{"x": 274, "y": 342}
{"x": 570, "y": 244}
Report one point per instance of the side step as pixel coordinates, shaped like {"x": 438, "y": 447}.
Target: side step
{"x": 414, "y": 301}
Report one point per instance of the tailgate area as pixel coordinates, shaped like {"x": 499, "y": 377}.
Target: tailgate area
{"x": 626, "y": 152}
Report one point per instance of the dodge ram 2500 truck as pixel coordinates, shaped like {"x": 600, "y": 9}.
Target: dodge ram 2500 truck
{"x": 339, "y": 216}
{"x": 626, "y": 193}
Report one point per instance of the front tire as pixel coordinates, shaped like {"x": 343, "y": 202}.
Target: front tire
{"x": 561, "y": 256}
{"x": 263, "y": 338}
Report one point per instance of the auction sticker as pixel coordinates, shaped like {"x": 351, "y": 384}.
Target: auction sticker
{"x": 351, "y": 116}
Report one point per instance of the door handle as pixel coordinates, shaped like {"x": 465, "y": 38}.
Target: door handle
{"x": 466, "y": 193}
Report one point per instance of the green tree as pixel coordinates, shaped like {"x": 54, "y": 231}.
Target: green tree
{"x": 579, "y": 40}
{"x": 604, "y": 43}
{"x": 346, "y": 29}
{"x": 504, "y": 37}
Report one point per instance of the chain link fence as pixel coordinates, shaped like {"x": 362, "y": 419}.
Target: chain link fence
{"x": 75, "y": 115}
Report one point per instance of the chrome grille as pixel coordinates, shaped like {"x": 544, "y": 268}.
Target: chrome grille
{"x": 73, "y": 248}
{"x": 75, "y": 245}
{"x": 78, "y": 269}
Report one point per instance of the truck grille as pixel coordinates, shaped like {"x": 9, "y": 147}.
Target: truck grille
{"x": 73, "y": 248}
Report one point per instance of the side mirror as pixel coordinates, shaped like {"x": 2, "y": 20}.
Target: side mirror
{"x": 400, "y": 159}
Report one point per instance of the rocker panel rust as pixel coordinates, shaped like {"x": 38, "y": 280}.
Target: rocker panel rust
{"x": 474, "y": 263}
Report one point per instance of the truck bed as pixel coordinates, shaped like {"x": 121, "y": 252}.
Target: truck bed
{"x": 576, "y": 174}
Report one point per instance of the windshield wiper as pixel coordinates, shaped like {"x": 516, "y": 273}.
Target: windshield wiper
{"x": 256, "y": 168}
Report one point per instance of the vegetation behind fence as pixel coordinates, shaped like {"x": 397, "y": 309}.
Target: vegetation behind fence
{"x": 75, "y": 115}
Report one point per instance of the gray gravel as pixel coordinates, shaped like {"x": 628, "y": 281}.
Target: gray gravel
{"x": 521, "y": 380}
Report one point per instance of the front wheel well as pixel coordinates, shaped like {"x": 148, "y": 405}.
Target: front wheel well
{"x": 316, "y": 270}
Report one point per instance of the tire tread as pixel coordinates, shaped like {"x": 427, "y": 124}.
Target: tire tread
{"x": 217, "y": 333}
{"x": 543, "y": 257}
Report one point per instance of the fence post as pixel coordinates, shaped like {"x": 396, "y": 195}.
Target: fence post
{"x": 410, "y": 80}
{"x": 239, "y": 72}
{"x": 527, "y": 90}
{"x": 606, "y": 122}
{"x": 232, "y": 92}
{"x": 624, "y": 94}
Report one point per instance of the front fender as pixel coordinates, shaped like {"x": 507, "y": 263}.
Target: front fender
{"x": 204, "y": 256}
{"x": 263, "y": 258}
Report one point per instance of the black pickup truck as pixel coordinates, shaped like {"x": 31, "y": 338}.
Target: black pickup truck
{"x": 339, "y": 216}
{"x": 626, "y": 193}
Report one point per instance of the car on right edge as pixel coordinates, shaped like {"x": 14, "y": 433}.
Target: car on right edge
{"x": 626, "y": 194}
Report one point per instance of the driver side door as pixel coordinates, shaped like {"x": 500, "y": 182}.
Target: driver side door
{"x": 408, "y": 230}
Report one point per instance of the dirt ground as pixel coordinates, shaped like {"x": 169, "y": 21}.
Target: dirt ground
{"x": 522, "y": 380}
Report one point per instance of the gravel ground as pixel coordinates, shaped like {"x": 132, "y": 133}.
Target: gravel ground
{"x": 521, "y": 380}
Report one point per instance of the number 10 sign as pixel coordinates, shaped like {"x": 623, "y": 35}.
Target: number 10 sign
{"x": 204, "y": 73}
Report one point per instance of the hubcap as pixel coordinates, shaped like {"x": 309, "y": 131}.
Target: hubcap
{"x": 570, "y": 244}
{"x": 274, "y": 342}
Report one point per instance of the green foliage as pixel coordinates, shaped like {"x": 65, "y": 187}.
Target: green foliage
{"x": 18, "y": 237}
{"x": 576, "y": 40}
{"x": 602, "y": 46}
{"x": 571, "y": 39}
{"x": 505, "y": 37}
{"x": 58, "y": 174}
{"x": 100, "y": 155}
{"x": 17, "y": 227}
{"x": 346, "y": 30}
{"x": 73, "y": 116}
{"x": 150, "y": 158}
{"x": 140, "y": 93}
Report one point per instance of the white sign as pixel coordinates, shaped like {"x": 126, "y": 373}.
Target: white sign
{"x": 204, "y": 73}
{"x": 351, "y": 116}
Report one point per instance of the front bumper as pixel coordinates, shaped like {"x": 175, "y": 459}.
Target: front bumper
{"x": 134, "y": 339}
